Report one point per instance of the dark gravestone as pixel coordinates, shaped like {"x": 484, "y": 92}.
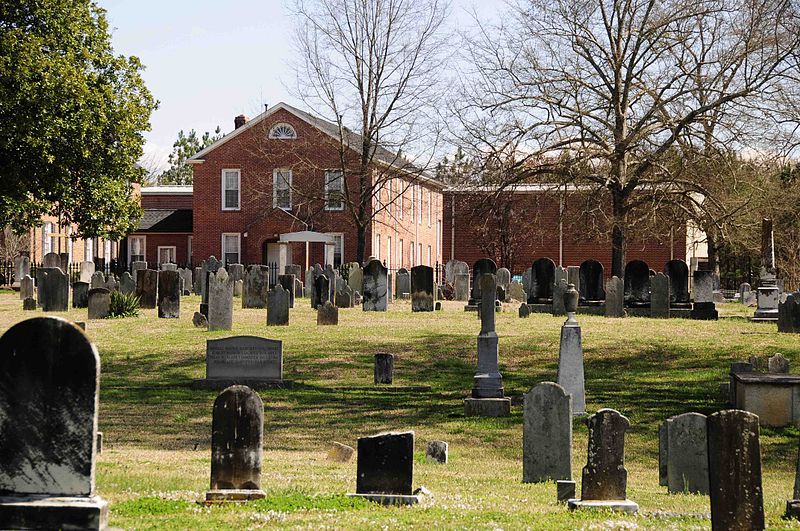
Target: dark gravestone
{"x": 384, "y": 368}
{"x": 678, "y": 273}
{"x": 332, "y": 276}
{"x": 402, "y": 282}
{"x": 543, "y": 276}
{"x": 604, "y": 476}
{"x": 789, "y": 314}
{"x": 49, "y": 377}
{"x": 51, "y": 260}
{"x": 524, "y": 310}
{"x": 80, "y": 294}
{"x": 169, "y": 294}
{"x": 97, "y": 280}
{"x": 99, "y": 303}
{"x": 704, "y": 307}
{"x": 659, "y": 296}
{"x": 687, "y": 453}
{"x": 422, "y": 289}
{"x": 480, "y": 268}
{"x": 29, "y": 304}
{"x": 255, "y": 287}
{"x": 235, "y": 271}
{"x": 55, "y": 290}
{"x": 197, "y": 281}
{"x": 327, "y": 314}
{"x": 209, "y": 265}
{"x": 376, "y": 286}
{"x": 591, "y": 278}
{"x": 237, "y": 434}
{"x": 734, "y": 470}
{"x": 615, "y": 297}
{"x": 26, "y": 287}
{"x": 287, "y": 281}
{"x": 127, "y": 284}
{"x": 637, "y": 284}
{"x": 321, "y": 292}
{"x": 386, "y": 464}
{"x": 345, "y": 297}
{"x": 147, "y": 287}
{"x": 278, "y": 305}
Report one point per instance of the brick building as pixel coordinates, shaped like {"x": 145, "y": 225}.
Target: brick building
{"x": 165, "y": 230}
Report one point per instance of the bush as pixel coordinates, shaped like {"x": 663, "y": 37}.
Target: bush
{"x": 124, "y": 305}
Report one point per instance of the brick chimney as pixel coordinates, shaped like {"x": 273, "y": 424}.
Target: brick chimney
{"x": 239, "y": 121}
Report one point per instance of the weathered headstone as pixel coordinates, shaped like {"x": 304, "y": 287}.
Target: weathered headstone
{"x": 220, "y": 300}
{"x": 340, "y": 453}
{"x": 237, "y": 288}
{"x": 384, "y": 368}
{"x": 778, "y": 364}
{"x": 256, "y": 286}
{"x": 574, "y": 277}
{"x": 207, "y": 267}
{"x": 503, "y": 276}
{"x": 169, "y": 294}
{"x": 86, "y": 272}
{"x": 385, "y": 468}
{"x": 570, "y": 355}
{"x": 461, "y": 287}
{"x": 547, "y": 434}
{"x": 453, "y": 268}
{"x": 559, "y": 288}
{"x": 327, "y": 314}
{"x": 321, "y": 293}
{"x": 516, "y": 292}
{"x": 111, "y": 284}
{"x": 345, "y": 298}
{"x": 80, "y": 295}
{"x": 99, "y": 303}
{"x": 734, "y": 470}
{"x": 402, "y": 283}
{"x": 237, "y": 435}
{"x": 49, "y": 377}
{"x": 422, "y": 289}
{"x": 26, "y": 287}
{"x": 637, "y": 283}
{"x": 789, "y": 313}
{"x": 678, "y": 273}
{"x": 356, "y": 279}
{"x": 199, "y": 320}
{"x": 186, "y": 277}
{"x": 278, "y": 306}
{"x": 168, "y": 266}
{"x": 480, "y": 268}
{"x": 97, "y": 280}
{"x": 22, "y": 267}
{"x": 287, "y": 281}
{"x": 686, "y": 453}
{"x": 374, "y": 296}
{"x": 543, "y": 277}
{"x": 54, "y": 294}
{"x": 197, "y": 281}
{"x": 235, "y": 271}
{"x": 147, "y": 287}
{"x": 137, "y": 266}
{"x": 704, "y": 307}
{"x": 127, "y": 284}
{"x": 437, "y": 452}
{"x": 51, "y": 260}
{"x": 659, "y": 296}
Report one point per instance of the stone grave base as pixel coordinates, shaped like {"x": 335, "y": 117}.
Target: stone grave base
{"x": 45, "y": 512}
{"x": 637, "y": 311}
{"x": 624, "y": 506}
{"x": 224, "y": 383}
{"x": 380, "y": 388}
{"x": 705, "y": 311}
{"x": 487, "y": 407}
{"x": 470, "y": 307}
{"x": 765, "y": 316}
{"x": 390, "y": 499}
{"x": 792, "y": 510}
{"x": 219, "y": 496}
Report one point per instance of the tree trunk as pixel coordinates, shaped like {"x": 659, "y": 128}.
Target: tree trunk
{"x": 619, "y": 209}
{"x": 361, "y": 243}
{"x": 713, "y": 257}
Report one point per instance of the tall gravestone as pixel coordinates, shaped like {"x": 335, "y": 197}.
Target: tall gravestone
{"x": 22, "y": 267}
{"x": 385, "y": 469}
{"x": 287, "y": 282}
{"x": 54, "y": 295}
{"x": 543, "y": 276}
{"x": 127, "y": 284}
{"x": 186, "y": 280}
{"x": 503, "y": 276}
{"x": 255, "y": 287}
{"x": 734, "y": 470}
{"x": 332, "y": 275}
{"x": 197, "y": 281}
{"x": 402, "y": 283}
{"x": 685, "y": 453}
{"x": 169, "y": 294}
{"x": 147, "y": 288}
{"x": 659, "y": 296}
{"x": 86, "y": 272}
{"x": 278, "y": 305}
{"x": 604, "y": 478}
{"x": 237, "y": 440}
{"x": 768, "y": 290}
{"x": 220, "y": 300}
{"x": 99, "y": 303}
{"x": 704, "y": 307}
{"x": 591, "y": 286}
{"x": 26, "y": 290}
{"x": 355, "y": 278}
{"x": 207, "y": 267}
{"x": 570, "y": 356}
{"x": 458, "y": 275}
{"x": 559, "y": 289}
{"x": 422, "y": 289}
{"x": 49, "y": 379}
{"x": 374, "y": 296}
{"x": 678, "y": 273}
{"x": 80, "y": 295}
{"x": 547, "y": 434}
{"x": 637, "y": 284}
{"x": 488, "y": 399}
{"x": 321, "y": 293}
{"x": 481, "y": 267}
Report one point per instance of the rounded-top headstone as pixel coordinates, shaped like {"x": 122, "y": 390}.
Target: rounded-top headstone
{"x": 49, "y": 375}
{"x": 237, "y": 439}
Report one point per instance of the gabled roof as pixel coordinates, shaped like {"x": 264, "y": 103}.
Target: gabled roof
{"x": 158, "y": 220}
{"x": 351, "y": 140}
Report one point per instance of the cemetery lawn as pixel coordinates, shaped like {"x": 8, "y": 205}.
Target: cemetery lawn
{"x": 156, "y": 460}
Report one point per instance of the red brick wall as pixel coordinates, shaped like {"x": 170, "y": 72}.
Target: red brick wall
{"x": 155, "y": 240}
{"x": 167, "y": 201}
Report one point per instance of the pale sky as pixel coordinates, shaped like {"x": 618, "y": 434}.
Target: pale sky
{"x": 208, "y": 61}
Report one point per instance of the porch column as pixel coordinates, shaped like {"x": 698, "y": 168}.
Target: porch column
{"x": 329, "y": 247}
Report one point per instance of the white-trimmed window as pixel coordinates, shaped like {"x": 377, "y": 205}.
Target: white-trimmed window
{"x": 400, "y": 196}
{"x": 88, "y": 250}
{"x": 430, "y": 207}
{"x": 413, "y": 203}
{"x": 338, "y": 248}
{"x": 378, "y": 246}
{"x": 231, "y": 250}
{"x": 282, "y": 131}
{"x": 419, "y": 254}
{"x": 166, "y": 254}
{"x": 231, "y": 189}
{"x": 430, "y": 256}
{"x": 136, "y": 248}
{"x": 400, "y": 252}
{"x": 419, "y": 218}
{"x": 334, "y": 190}
{"x": 282, "y": 188}
{"x": 389, "y": 252}
{"x": 411, "y": 255}
{"x": 189, "y": 250}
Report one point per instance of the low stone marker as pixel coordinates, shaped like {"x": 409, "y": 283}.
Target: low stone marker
{"x": 99, "y": 303}
{"x": 327, "y": 314}
{"x": 524, "y": 310}
{"x": 570, "y": 354}
{"x": 199, "y": 320}
{"x": 29, "y": 304}
{"x": 734, "y": 470}
{"x": 385, "y": 469}
{"x": 685, "y": 453}
{"x": 80, "y": 295}
{"x": 340, "y": 453}
{"x": 778, "y": 364}
{"x": 437, "y": 452}
{"x": 237, "y": 435}
{"x": 565, "y": 490}
{"x": 147, "y": 288}
{"x": 605, "y": 479}
{"x": 547, "y": 434}
{"x": 659, "y": 296}
{"x": 220, "y": 300}
{"x": 237, "y": 288}
{"x": 278, "y": 306}
{"x": 384, "y": 368}
{"x": 169, "y": 294}
{"x": 253, "y": 361}
{"x": 615, "y": 297}
{"x": 49, "y": 378}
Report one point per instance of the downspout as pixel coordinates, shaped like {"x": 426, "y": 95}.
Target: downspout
{"x": 452, "y": 227}
{"x": 561, "y": 229}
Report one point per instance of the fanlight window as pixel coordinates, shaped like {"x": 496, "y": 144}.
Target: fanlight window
{"x": 282, "y": 132}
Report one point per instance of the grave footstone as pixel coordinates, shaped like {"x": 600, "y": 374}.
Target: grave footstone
{"x": 524, "y": 310}
{"x": 374, "y": 296}
{"x": 547, "y": 434}
{"x": 49, "y": 377}
{"x": 327, "y": 314}
{"x": 169, "y": 294}
{"x": 127, "y": 284}
{"x": 54, "y": 294}
{"x": 86, "y": 272}
{"x": 543, "y": 278}
{"x": 422, "y": 289}
{"x": 255, "y": 287}
{"x": 99, "y": 303}
{"x": 385, "y": 469}
{"x": 199, "y": 320}
{"x": 237, "y": 435}
{"x": 147, "y": 288}
{"x": 704, "y": 307}
{"x": 402, "y": 282}
{"x": 659, "y": 296}
{"x": 220, "y": 300}
{"x": 384, "y": 368}
{"x": 591, "y": 286}
{"x": 287, "y": 281}
{"x": 570, "y": 356}
{"x": 734, "y": 470}
{"x": 340, "y": 453}
{"x": 80, "y": 295}
{"x": 278, "y": 306}
{"x": 437, "y": 452}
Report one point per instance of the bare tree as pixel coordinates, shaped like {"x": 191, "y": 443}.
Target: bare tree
{"x": 373, "y": 64}
{"x": 12, "y": 244}
{"x": 606, "y": 93}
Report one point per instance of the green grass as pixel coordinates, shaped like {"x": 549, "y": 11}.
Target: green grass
{"x": 157, "y": 430}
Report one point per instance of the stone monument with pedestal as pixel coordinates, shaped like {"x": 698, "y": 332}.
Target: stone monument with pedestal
{"x": 768, "y": 291}
{"x": 488, "y": 399}
{"x": 570, "y": 356}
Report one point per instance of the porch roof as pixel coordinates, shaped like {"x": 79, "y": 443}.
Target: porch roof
{"x": 306, "y": 236}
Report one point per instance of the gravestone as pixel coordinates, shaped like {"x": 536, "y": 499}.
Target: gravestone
{"x": 168, "y": 266}
{"x": 237, "y": 288}
{"x": 503, "y": 276}
{"x": 744, "y": 291}
{"x": 591, "y": 287}
{"x": 437, "y": 452}
{"x": 26, "y": 287}
{"x": 547, "y": 434}
{"x": 321, "y": 293}
{"x": 327, "y": 314}
{"x": 29, "y": 304}
{"x": 734, "y": 470}
{"x": 659, "y": 296}
{"x": 332, "y": 276}
{"x": 574, "y": 277}
{"x": 147, "y": 288}
{"x": 169, "y": 294}
{"x": 384, "y": 368}
{"x": 637, "y": 284}
{"x": 678, "y": 273}
{"x": 778, "y": 364}
{"x": 768, "y": 287}
{"x": 111, "y": 283}
{"x": 235, "y": 271}
{"x": 524, "y": 310}
{"x": 298, "y": 288}
{"x": 278, "y": 306}
{"x": 488, "y": 399}
{"x": 453, "y": 268}
{"x": 480, "y": 268}
{"x": 51, "y": 260}
{"x": 526, "y": 280}
{"x": 345, "y": 298}
{"x": 99, "y": 303}
{"x": 543, "y": 276}
{"x": 49, "y": 378}
{"x": 237, "y": 440}
{"x": 137, "y": 266}
{"x": 97, "y": 280}
{"x": 22, "y": 267}
{"x": 374, "y": 296}
{"x": 220, "y": 300}
{"x": 516, "y": 292}
{"x": 207, "y": 267}
{"x": 199, "y": 320}
{"x": 559, "y": 288}
{"x": 704, "y": 307}
{"x": 422, "y": 289}
{"x": 293, "y": 269}
{"x": 186, "y": 277}
{"x": 197, "y": 280}
{"x": 127, "y": 284}
{"x": 686, "y": 453}
{"x": 287, "y": 282}
{"x": 385, "y": 468}
{"x": 402, "y": 282}
{"x": 54, "y": 294}
{"x": 80, "y": 295}
{"x": 243, "y": 360}
{"x": 355, "y": 278}
{"x": 256, "y": 286}
{"x": 461, "y": 287}
{"x": 570, "y": 355}
{"x": 604, "y": 478}
{"x": 340, "y": 453}
{"x": 86, "y": 272}
{"x": 662, "y": 455}
{"x": 789, "y": 313}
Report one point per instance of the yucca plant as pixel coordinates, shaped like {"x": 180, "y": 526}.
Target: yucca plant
{"x": 123, "y": 305}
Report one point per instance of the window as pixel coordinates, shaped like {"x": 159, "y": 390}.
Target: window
{"x": 378, "y": 246}
{"x": 438, "y": 239}
{"x": 411, "y": 254}
{"x": 231, "y": 189}
{"x": 400, "y": 252}
{"x": 338, "y": 248}
{"x": 430, "y": 205}
{"x": 334, "y": 188}
{"x": 413, "y": 203}
{"x": 400, "y": 201}
{"x": 230, "y": 248}
{"x": 282, "y": 188}
{"x": 166, "y": 255}
{"x": 88, "y": 250}
{"x": 419, "y": 219}
{"x": 136, "y": 248}
{"x": 419, "y": 255}
{"x": 189, "y": 250}
{"x": 282, "y": 131}
{"x": 430, "y": 256}
{"x": 389, "y": 252}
